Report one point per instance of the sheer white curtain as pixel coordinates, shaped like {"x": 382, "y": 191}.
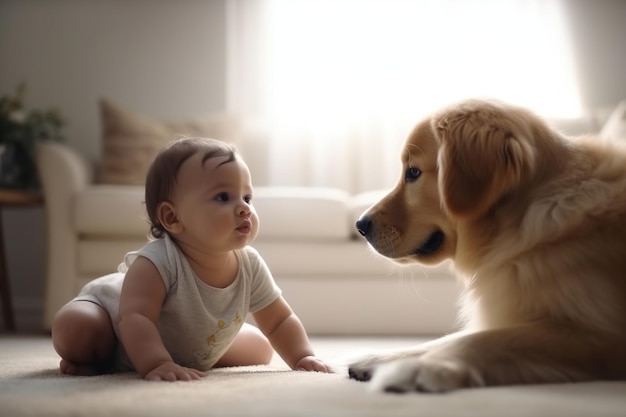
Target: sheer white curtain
{"x": 334, "y": 86}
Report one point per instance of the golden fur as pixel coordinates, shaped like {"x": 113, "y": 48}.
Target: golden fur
{"x": 535, "y": 224}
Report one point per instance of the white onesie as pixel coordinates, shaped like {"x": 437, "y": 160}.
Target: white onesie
{"x": 198, "y": 322}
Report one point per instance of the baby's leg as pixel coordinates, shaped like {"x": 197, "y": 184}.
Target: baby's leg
{"x": 250, "y": 347}
{"x": 82, "y": 334}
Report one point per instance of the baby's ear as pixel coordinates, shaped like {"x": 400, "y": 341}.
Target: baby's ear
{"x": 479, "y": 160}
{"x": 166, "y": 213}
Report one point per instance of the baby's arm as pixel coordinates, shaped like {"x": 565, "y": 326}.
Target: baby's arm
{"x": 288, "y": 336}
{"x": 140, "y": 306}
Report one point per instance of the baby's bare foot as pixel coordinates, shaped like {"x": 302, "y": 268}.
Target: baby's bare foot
{"x": 70, "y": 368}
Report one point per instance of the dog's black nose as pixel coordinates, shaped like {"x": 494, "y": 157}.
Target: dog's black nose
{"x": 363, "y": 225}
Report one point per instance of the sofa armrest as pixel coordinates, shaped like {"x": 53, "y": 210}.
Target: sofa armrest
{"x": 62, "y": 169}
{"x": 63, "y": 172}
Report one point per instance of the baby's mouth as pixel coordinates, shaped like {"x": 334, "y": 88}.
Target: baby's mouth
{"x": 245, "y": 227}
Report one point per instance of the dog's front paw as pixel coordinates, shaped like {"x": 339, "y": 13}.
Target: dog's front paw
{"x": 360, "y": 374}
{"x": 425, "y": 375}
{"x": 363, "y": 369}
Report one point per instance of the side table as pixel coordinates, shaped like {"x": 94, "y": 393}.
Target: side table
{"x": 11, "y": 198}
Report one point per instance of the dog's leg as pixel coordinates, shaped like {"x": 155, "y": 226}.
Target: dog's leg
{"x": 363, "y": 368}
{"x": 521, "y": 355}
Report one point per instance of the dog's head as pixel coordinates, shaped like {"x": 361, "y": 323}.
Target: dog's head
{"x": 457, "y": 165}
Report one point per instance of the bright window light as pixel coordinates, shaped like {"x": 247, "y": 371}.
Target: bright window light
{"x": 353, "y": 60}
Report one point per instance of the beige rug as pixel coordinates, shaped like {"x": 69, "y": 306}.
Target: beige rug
{"x": 30, "y": 385}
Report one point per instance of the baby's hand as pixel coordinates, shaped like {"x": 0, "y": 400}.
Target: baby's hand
{"x": 311, "y": 363}
{"x": 169, "y": 371}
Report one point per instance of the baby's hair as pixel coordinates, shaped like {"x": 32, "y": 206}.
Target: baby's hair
{"x": 161, "y": 177}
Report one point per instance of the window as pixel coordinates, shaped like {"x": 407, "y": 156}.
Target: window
{"x": 339, "y": 83}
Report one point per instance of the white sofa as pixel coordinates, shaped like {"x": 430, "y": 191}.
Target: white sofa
{"x": 307, "y": 236}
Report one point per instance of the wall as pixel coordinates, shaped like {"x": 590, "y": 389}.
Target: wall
{"x": 159, "y": 57}
{"x": 168, "y": 59}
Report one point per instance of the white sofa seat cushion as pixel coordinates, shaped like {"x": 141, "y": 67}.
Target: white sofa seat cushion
{"x": 302, "y": 213}
{"x": 296, "y": 213}
{"x": 111, "y": 210}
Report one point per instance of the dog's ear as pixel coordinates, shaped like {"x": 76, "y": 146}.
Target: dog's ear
{"x": 481, "y": 158}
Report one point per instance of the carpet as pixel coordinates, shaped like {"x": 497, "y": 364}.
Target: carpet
{"x": 30, "y": 385}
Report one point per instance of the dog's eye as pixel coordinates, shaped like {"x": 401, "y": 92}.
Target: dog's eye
{"x": 412, "y": 174}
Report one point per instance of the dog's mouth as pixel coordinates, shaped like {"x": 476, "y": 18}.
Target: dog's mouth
{"x": 432, "y": 244}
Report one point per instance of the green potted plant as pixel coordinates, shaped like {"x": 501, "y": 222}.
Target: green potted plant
{"x": 21, "y": 129}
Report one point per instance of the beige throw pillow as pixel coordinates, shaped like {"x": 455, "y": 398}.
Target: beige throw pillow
{"x": 131, "y": 141}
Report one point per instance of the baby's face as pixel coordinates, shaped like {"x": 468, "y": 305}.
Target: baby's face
{"x": 213, "y": 202}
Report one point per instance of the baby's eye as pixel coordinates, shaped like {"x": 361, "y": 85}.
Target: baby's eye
{"x": 222, "y": 197}
{"x": 247, "y": 199}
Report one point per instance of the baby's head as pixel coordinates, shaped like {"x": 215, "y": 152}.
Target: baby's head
{"x": 162, "y": 177}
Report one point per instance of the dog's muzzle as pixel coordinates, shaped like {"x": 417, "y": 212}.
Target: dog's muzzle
{"x": 431, "y": 245}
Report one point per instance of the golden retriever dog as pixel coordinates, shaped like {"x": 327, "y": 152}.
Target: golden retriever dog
{"x": 535, "y": 225}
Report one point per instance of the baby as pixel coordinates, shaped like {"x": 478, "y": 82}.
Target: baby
{"x": 177, "y": 307}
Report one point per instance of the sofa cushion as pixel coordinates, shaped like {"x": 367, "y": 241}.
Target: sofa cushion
{"x": 615, "y": 126}
{"x": 297, "y": 213}
{"x": 131, "y": 141}
{"x": 302, "y": 213}
{"x": 111, "y": 210}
